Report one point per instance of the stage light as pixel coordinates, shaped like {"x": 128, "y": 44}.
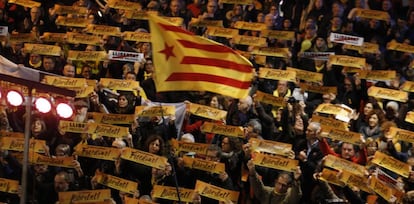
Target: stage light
{"x": 14, "y": 98}
{"x": 64, "y": 110}
{"x": 43, "y": 105}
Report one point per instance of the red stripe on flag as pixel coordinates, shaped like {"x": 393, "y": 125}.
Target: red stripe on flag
{"x": 206, "y": 47}
{"x": 175, "y": 29}
{"x": 208, "y": 78}
{"x": 217, "y": 63}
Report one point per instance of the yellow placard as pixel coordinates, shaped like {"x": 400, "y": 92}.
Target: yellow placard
{"x": 25, "y": 3}
{"x": 228, "y": 130}
{"x": 249, "y": 40}
{"x": 408, "y": 86}
{"x": 329, "y": 122}
{"x": 72, "y": 22}
{"x": 198, "y": 148}
{"x": 76, "y": 127}
{"x": 204, "y": 165}
{"x": 221, "y": 32}
{"x": 103, "y": 30}
{"x": 17, "y": 144}
{"x": 119, "y": 84}
{"x": 80, "y": 38}
{"x": 272, "y": 52}
{"x": 392, "y": 164}
{"x": 109, "y": 118}
{"x": 36, "y": 158}
{"x": 330, "y": 176}
{"x": 216, "y": 193}
{"x": 277, "y": 74}
{"x": 137, "y": 15}
{"x": 382, "y": 189}
{"x": 341, "y": 134}
{"x": 275, "y": 162}
{"x": 242, "y": 2}
{"x": 344, "y": 60}
{"x": 342, "y": 164}
{"x": 97, "y": 152}
{"x": 270, "y": 99}
{"x": 358, "y": 181}
{"x": 410, "y": 117}
{"x": 9, "y": 186}
{"x": 307, "y": 75}
{"x": 64, "y": 82}
{"x": 151, "y": 111}
{"x": 389, "y": 94}
{"x": 250, "y": 26}
{"x": 137, "y": 36}
{"x": 83, "y": 92}
{"x": 366, "y": 47}
{"x": 108, "y": 130}
{"x": 207, "y": 112}
{"x": 117, "y": 183}
{"x": 332, "y": 109}
{"x": 198, "y": 22}
{"x": 401, "y": 134}
{"x": 177, "y": 21}
{"x": 379, "y": 75}
{"x": 125, "y": 5}
{"x": 278, "y": 34}
{"x": 170, "y": 193}
{"x": 87, "y": 55}
{"x": 373, "y": 14}
{"x": 318, "y": 89}
{"x": 22, "y": 37}
{"x": 394, "y": 45}
{"x": 11, "y": 134}
{"x": 144, "y": 158}
{"x": 268, "y": 146}
{"x": 86, "y": 196}
{"x": 77, "y": 10}
{"x": 53, "y": 37}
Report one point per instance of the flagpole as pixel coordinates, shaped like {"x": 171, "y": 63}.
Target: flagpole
{"x": 26, "y": 145}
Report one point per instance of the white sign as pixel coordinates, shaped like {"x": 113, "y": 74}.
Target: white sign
{"x": 4, "y": 30}
{"x": 125, "y": 56}
{"x": 317, "y": 55}
{"x": 346, "y": 39}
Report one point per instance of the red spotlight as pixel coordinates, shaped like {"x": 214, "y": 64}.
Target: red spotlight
{"x": 43, "y": 105}
{"x": 64, "y": 110}
{"x": 14, "y": 98}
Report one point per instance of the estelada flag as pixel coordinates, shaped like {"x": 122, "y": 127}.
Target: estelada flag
{"x": 186, "y": 62}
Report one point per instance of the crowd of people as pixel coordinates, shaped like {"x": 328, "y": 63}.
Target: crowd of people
{"x": 311, "y": 21}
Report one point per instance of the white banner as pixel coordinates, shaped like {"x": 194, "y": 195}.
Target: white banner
{"x": 125, "y": 56}
{"x": 346, "y": 39}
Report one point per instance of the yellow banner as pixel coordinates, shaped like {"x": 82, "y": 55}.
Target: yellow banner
{"x": 342, "y": 135}
{"x": 342, "y": 164}
{"x": 83, "y": 92}
{"x": 243, "y": 2}
{"x": 367, "y": 47}
{"x": 125, "y": 5}
{"x": 117, "y": 183}
{"x": 109, "y": 118}
{"x": 277, "y": 74}
{"x": 307, "y": 75}
{"x": 216, "y": 193}
{"x": 207, "y": 112}
{"x": 373, "y": 14}
{"x": 379, "y": 75}
{"x": 17, "y": 144}
{"x": 77, "y": 10}
{"x": 86, "y": 196}
{"x": 150, "y": 111}
{"x": 177, "y": 21}
{"x": 36, "y": 158}
{"x": 410, "y": 117}
{"x": 119, "y": 84}
{"x": 9, "y": 186}
{"x": 330, "y": 176}
{"x": 344, "y": 60}
{"x": 275, "y": 162}
{"x": 358, "y": 181}
{"x": 272, "y": 52}
{"x": 53, "y": 37}
{"x": 76, "y": 127}
{"x": 22, "y": 37}
{"x": 278, "y": 34}
{"x": 25, "y": 3}
{"x": 170, "y": 193}
{"x": 250, "y": 26}
{"x": 11, "y": 134}
{"x": 389, "y": 94}
{"x": 137, "y": 36}
{"x": 392, "y": 164}
{"x": 318, "y": 89}
{"x": 394, "y": 45}
{"x": 144, "y": 158}
{"x": 97, "y": 152}
{"x": 382, "y": 189}
{"x": 64, "y": 82}
{"x": 79, "y": 38}
{"x": 103, "y": 30}
{"x": 401, "y": 134}
{"x": 270, "y": 99}
{"x": 108, "y": 130}
{"x": 204, "y": 165}
{"x": 329, "y": 122}
{"x": 249, "y": 40}
{"x": 137, "y": 15}
{"x": 268, "y": 146}
{"x": 408, "y": 86}
{"x": 198, "y": 148}
{"x": 222, "y": 32}
{"x": 87, "y": 55}
{"x": 72, "y": 22}
{"x": 332, "y": 109}
{"x": 228, "y": 130}
{"x": 198, "y": 22}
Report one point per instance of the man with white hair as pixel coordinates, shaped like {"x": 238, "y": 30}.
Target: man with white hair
{"x": 240, "y": 115}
